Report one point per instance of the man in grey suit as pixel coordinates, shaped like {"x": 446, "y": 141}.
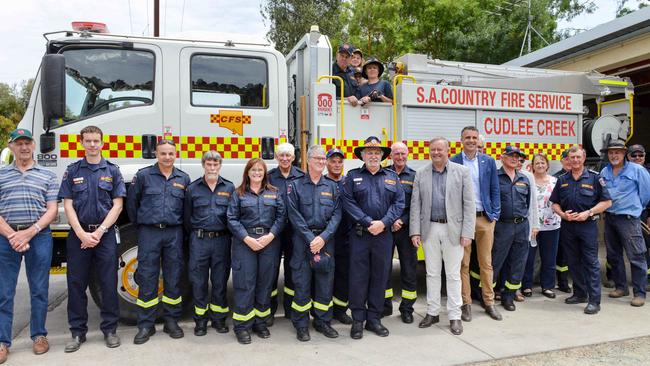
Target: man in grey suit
{"x": 443, "y": 217}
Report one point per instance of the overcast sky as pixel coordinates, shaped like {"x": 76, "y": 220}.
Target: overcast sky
{"x": 23, "y": 23}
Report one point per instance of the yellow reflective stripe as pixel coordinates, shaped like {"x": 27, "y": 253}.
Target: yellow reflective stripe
{"x": 288, "y": 291}
{"x": 243, "y": 318}
{"x": 475, "y": 275}
{"x": 147, "y": 304}
{"x": 322, "y": 307}
{"x": 262, "y": 314}
{"x": 299, "y": 308}
{"x": 608, "y": 265}
{"x": 410, "y": 295}
{"x": 513, "y": 287}
{"x": 561, "y": 268}
{"x": 200, "y": 311}
{"x": 219, "y": 309}
{"x": 274, "y": 292}
{"x": 388, "y": 293}
{"x": 648, "y": 272}
{"x": 339, "y": 302}
{"x": 170, "y": 301}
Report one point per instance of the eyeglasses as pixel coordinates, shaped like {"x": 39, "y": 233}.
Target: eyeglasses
{"x": 637, "y": 155}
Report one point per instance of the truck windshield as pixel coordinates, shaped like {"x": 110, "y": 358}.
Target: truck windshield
{"x": 101, "y": 80}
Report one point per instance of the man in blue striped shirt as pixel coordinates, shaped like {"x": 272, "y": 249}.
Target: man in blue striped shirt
{"x": 28, "y": 204}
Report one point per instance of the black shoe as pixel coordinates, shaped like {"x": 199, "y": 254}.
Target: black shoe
{"x": 466, "y": 312}
{"x": 356, "y": 332}
{"x": 201, "y": 328}
{"x": 112, "y": 340}
{"x": 74, "y": 344}
{"x": 407, "y": 318}
{"x": 143, "y": 335}
{"x": 377, "y": 328}
{"x": 303, "y": 334}
{"x": 220, "y": 326}
{"x": 456, "y": 327}
{"x": 575, "y": 300}
{"x": 492, "y": 312}
{"x": 243, "y": 336}
{"x": 548, "y": 293}
{"x": 261, "y": 330}
{"x": 326, "y": 330}
{"x": 172, "y": 328}
{"x": 592, "y": 308}
{"x": 428, "y": 321}
{"x": 508, "y": 304}
{"x": 343, "y": 318}
{"x": 564, "y": 288}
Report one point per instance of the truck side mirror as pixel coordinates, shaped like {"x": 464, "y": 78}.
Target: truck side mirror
{"x": 268, "y": 148}
{"x": 52, "y": 88}
{"x": 47, "y": 142}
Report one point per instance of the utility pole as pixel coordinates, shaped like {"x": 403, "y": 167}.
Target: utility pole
{"x": 156, "y": 18}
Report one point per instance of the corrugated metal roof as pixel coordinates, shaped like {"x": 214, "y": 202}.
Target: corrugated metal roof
{"x": 598, "y": 37}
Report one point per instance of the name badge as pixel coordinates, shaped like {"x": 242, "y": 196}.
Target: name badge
{"x": 328, "y": 194}
{"x": 78, "y": 180}
{"x": 520, "y": 184}
{"x": 106, "y": 179}
{"x": 589, "y": 186}
{"x": 390, "y": 181}
{"x": 564, "y": 185}
{"x": 273, "y": 196}
{"x": 178, "y": 185}
{"x": 225, "y": 194}
{"x": 406, "y": 182}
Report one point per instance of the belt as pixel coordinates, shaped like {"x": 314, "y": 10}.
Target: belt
{"x": 440, "y": 221}
{"x": 481, "y": 214}
{"x": 90, "y": 228}
{"x": 200, "y": 233}
{"x": 18, "y": 227}
{"x": 514, "y": 220}
{"x": 160, "y": 226}
{"x": 317, "y": 231}
{"x": 629, "y": 217}
{"x": 257, "y": 230}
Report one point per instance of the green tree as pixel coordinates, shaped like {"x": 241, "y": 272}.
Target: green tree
{"x": 13, "y": 103}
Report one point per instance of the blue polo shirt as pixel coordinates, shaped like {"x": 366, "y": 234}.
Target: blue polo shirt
{"x": 24, "y": 196}
{"x": 628, "y": 198}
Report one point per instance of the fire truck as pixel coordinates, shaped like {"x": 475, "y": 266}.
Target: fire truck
{"x": 242, "y": 99}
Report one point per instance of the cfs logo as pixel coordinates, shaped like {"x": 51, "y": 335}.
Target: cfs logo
{"x": 324, "y": 102}
{"x": 232, "y": 120}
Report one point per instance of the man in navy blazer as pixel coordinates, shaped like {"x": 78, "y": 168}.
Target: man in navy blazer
{"x": 488, "y": 208}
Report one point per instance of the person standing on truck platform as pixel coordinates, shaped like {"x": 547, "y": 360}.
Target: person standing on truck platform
{"x": 335, "y": 159}
{"x": 28, "y": 204}
{"x": 485, "y": 181}
{"x": 279, "y": 177}
{"x": 561, "y": 263}
{"x": 627, "y": 184}
{"x": 356, "y": 61}
{"x": 636, "y": 154}
{"x": 578, "y": 198}
{"x": 93, "y": 192}
{"x": 406, "y": 251}
{"x": 375, "y": 90}
{"x": 256, "y": 217}
{"x": 512, "y": 232}
{"x": 342, "y": 69}
{"x": 205, "y": 208}
{"x": 374, "y": 199}
{"x": 155, "y": 204}
{"x": 314, "y": 209}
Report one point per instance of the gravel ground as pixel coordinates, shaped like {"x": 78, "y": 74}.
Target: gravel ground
{"x": 633, "y": 352}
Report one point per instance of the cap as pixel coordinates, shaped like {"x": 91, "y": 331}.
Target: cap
{"x": 375, "y": 61}
{"x": 565, "y": 153}
{"x": 335, "y": 151}
{"x": 616, "y": 145}
{"x": 636, "y": 148}
{"x": 510, "y": 149}
{"x": 358, "y": 50}
{"x": 373, "y": 142}
{"x": 321, "y": 262}
{"x": 346, "y": 48}
{"x": 20, "y": 133}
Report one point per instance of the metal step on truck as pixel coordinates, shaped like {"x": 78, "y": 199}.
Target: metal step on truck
{"x": 242, "y": 99}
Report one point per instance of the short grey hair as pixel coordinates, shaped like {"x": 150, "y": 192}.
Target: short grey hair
{"x": 440, "y": 138}
{"x": 315, "y": 150}
{"x": 577, "y": 148}
{"x": 285, "y": 148}
{"x": 211, "y": 155}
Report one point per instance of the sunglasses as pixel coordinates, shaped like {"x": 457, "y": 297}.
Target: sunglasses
{"x": 637, "y": 155}
{"x": 166, "y": 142}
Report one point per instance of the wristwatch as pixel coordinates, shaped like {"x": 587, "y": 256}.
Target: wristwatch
{"x": 104, "y": 228}
{"x": 591, "y": 213}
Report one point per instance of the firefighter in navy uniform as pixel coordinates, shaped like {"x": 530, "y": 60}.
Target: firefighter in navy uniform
{"x": 578, "y": 198}
{"x": 314, "y": 209}
{"x": 374, "y": 199}
{"x": 155, "y": 204}
{"x": 407, "y": 253}
{"x": 341, "y": 291}
{"x": 561, "y": 265}
{"x": 511, "y": 232}
{"x": 206, "y": 205}
{"x": 92, "y": 191}
{"x": 279, "y": 177}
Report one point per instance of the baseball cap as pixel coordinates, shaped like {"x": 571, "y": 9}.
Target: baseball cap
{"x": 565, "y": 153}
{"x": 635, "y": 148}
{"x": 335, "y": 151}
{"x": 346, "y": 48}
{"x": 20, "y": 133}
{"x": 509, "y": 150}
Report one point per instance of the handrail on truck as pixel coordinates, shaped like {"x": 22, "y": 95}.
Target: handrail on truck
{"x": 396, "y": 79}
{"x": 342, "y": 99}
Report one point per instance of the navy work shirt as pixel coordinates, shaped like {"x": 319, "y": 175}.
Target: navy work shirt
{"x": 406, "y": 178}
{"x": 92, "y": 188}
{"x": 154, "y": 199}
{"x": 368, "y": 197}
{"x": 314, "y": 206}
{"x": 382, "y": 85}
{"x": 252, "y": 210}
{"x": 349, "y": 82}
{"x": 206, "y": 209}
{"x": 280, "y": 182}
{"x": 515, "y": 195}
{"x": 580, "y": 194}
